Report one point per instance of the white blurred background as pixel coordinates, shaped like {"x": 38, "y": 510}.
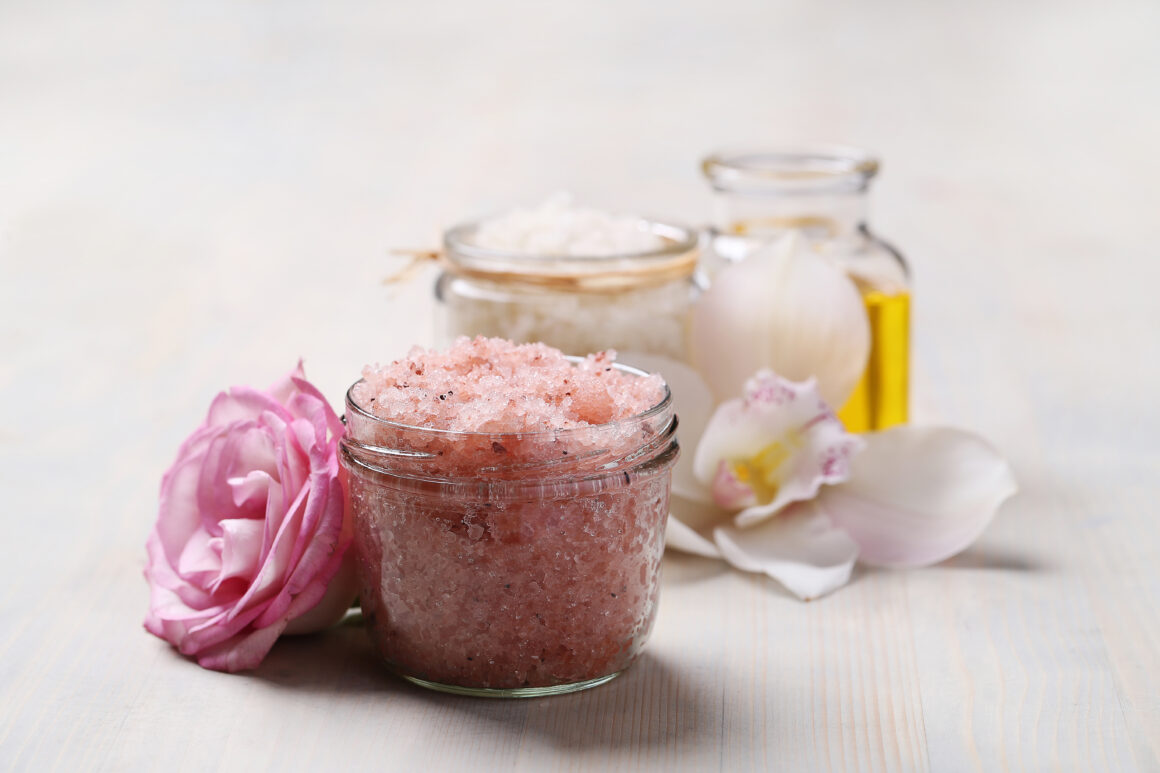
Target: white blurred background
{"x": 194, "y": 194}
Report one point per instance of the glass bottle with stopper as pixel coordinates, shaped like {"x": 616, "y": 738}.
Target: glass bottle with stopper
{"x": 821, "y": 192}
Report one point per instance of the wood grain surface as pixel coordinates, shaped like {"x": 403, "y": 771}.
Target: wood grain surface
{"x": 195, "y": 194}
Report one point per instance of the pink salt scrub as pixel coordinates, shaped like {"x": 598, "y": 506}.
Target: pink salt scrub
{"x": 509, "y": 507}
{"x": 493, "y": 385}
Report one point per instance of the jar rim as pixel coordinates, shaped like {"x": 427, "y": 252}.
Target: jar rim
{"x": 679, "y": 239}
{"x": 664, "y": 404}
{"x": 602, "y": 459}
{"x": 796, "y": 169}
{"x": 676, "y": 259}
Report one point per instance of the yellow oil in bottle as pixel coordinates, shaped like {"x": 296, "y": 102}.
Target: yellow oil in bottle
{"x": 881, "y": 398}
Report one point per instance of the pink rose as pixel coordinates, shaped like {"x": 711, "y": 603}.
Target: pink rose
{"x": 251, "y": 530}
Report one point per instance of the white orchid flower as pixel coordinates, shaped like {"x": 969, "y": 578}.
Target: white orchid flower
{"x": 771, "y": 482}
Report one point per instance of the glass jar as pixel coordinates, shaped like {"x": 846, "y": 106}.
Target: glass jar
{"x": 510, "y": 565}
{"x": 821, "y": 191}
{"x": 636, "y": 302}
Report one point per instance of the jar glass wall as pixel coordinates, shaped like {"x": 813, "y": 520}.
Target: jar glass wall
{"x": 510, "y": 565}
{"x": 821, "y": 192}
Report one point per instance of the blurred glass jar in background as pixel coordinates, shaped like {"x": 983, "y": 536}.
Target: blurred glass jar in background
{"x": 821, "y": 191}
{"x": 634, "y": 301}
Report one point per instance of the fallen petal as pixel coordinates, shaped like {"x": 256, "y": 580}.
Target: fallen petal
{"x": 919, "y": 495}
{"x": 800, "y": 548}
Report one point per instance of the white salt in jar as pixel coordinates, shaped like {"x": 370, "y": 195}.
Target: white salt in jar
{"x": 579, "y": 280}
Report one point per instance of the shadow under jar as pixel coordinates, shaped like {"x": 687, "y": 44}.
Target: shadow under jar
{"x": 510, "y": 565}
{"x": 636, "y": 302}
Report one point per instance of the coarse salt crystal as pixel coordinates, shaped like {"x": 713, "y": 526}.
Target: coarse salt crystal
{"x": 493, "y": 385}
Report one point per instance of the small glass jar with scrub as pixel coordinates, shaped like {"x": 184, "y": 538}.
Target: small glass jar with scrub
{"x": 512, "y": 560}
{"x": 527, "y": 279}
{"x": 822, "y": 192}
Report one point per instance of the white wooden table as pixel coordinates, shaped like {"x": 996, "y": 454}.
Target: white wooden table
{"x": 195, "y": 194}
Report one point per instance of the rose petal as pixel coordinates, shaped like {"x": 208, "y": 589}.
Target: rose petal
{"x": 322, "y": 521}
{"x": 241, "y": 547}
{"x": 303, "y": 406}
{"x": 166, "y": 586}
{"x": 300, "y": 442}
{"x": 278, "y": 546}
{"x": 236, "y": 451}
{"x": 242, "y": 403}
{"x": 340, "y": 592}
{"x": 178, "y": 516}
{"x": 199, "y": 560}
{"x": 917, "y": 495}
{"x": 216, "y": 625}
{"x": 251, "y": 491}
{"x": 243, "y": 652}
{"x": 800, "y": 548}
{"x": 284, "y": 389}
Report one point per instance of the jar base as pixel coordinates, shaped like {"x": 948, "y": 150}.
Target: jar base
{"x": 513, "y": 692}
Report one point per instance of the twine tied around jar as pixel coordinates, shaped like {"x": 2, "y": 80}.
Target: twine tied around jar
{"x": 599, "y": 274}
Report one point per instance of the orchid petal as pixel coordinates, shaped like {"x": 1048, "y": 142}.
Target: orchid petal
{"x": 801, "y": 548}
{"x": 692, "y": 515}
{"x": 786, "y": 308}
{"x": 730, "y": 492}
{"x": 917, "y": 496}
{"x": 690, "y": 526}
{"x": 694, "y": 403}
{"x": 779, "y": 444}
{"x": 771, "y": 409}
{"x": 822, "y": 458}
